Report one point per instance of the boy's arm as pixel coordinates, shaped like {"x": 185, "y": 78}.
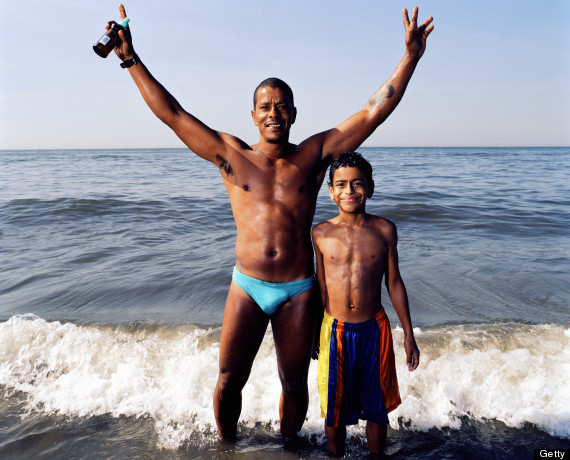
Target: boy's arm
{"x": 202, "y": 140}
{"x": 399, "y": 299}
{"x": 320, "y": 275}
{"x": 356, "y": 129}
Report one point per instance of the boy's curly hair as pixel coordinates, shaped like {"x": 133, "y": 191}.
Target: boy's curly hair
{"x": 351, "y": 159}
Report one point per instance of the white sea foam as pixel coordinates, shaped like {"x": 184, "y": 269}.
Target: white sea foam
{"x": 511, "y": 373}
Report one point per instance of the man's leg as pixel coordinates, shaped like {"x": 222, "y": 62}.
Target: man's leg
{"x": 243, "y": 329}
{"x": 293, "y": 328}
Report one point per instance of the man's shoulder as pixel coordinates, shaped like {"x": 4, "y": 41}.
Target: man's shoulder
{"x": 312, "y": 148}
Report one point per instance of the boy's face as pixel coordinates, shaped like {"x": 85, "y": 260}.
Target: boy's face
{"x": 350, "y": 189}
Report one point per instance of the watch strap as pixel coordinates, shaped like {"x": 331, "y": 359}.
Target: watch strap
{"x": 130, "y": 62}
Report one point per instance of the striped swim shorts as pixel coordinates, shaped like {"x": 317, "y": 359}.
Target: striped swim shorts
{"x": 356, "y": 371}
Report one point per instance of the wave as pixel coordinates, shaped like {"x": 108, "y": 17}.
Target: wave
{"x": 35, "y": 209}
{"x": 513, "y": 373}
{"x": 504, "y": 218}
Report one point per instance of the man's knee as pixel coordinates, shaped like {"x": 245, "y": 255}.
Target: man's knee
{"x": 230, "y": 383}
{"x": 294, "y": 386}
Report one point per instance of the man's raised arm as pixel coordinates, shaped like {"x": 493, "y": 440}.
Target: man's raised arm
{"x": 352, "y": 132}
{"x": 202, "y": 140}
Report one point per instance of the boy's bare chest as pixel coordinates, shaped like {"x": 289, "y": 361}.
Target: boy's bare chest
{"x": 348, "y": 248}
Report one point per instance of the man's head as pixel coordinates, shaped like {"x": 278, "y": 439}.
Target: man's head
{"x": 273, "y": 83}
{"x": 273, "y": 111}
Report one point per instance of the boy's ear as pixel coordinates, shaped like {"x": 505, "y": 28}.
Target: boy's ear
{"x": 331, "y": 194}
{"x": 370, "y": 189}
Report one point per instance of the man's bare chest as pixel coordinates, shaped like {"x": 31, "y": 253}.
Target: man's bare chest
{"x": 267, "y": 177}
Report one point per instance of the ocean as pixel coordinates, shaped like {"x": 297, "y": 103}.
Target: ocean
{"x": 115, "y": 265}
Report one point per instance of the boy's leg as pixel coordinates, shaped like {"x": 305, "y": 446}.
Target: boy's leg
{"x": 243, "y": 329}
{"x": 336, "y": 439}
{"x": 293, "y": 327}
{"x": 376, "y": 437}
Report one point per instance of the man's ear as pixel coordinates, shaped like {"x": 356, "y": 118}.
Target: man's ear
{"x": 331, "y": 194}
{"x": 370, "y": 189}
{"x": 294, "y": 115}
{"x": 253, "y": 117}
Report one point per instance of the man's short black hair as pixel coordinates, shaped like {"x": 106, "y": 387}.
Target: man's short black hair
{"x": 351, "y": 159}
{"x": 274, "y": 83}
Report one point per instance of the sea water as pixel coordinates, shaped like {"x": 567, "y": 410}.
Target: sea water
{"x": 115, "y": 265}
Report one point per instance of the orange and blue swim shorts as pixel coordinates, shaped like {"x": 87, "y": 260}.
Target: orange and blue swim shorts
{"x": 356, "y": 371}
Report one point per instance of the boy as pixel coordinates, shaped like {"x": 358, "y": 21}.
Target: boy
{"x": 356, "y": 368}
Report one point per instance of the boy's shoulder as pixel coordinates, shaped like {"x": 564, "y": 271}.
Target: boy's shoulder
{"x": 379, "y": 221}
{"x": 382, "y": 225}
{"x": 324, "y": 227}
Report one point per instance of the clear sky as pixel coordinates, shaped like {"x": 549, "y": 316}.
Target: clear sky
{"x": 494, "y": 73}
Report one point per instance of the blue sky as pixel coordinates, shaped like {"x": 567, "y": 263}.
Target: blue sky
{"x": 495, "y": 72}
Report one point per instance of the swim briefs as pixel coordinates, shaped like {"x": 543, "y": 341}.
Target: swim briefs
{"x": 270, "y": 296}
{"x": 356, "y": 371}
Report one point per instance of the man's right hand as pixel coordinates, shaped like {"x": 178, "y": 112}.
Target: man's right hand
{"x": 124, "y": 50}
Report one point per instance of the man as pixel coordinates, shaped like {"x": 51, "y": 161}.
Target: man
{"x": 273, "y": 187}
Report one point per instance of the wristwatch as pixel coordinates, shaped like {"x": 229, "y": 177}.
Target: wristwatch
{"x": 130, "y": 62}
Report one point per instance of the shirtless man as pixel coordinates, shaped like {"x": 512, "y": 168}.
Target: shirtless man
{"x": 273, "y": 187}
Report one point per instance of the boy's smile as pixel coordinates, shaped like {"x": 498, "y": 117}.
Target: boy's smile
{"x": 350, "y": 189}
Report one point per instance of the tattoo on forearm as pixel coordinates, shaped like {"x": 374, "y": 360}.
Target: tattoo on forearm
{"x": 386, "y": 91}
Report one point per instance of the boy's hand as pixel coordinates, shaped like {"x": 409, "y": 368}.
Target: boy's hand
{"x": 317, "y": 335}
{"x": 412, "y": 353}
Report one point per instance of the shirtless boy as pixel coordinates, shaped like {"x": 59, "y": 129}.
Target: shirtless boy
{"x": 273, "y": 188}
{"x": 356, "y": 370}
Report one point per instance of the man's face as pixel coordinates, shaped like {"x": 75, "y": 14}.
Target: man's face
{"x": 273, "y": 114}
{"x": 350, "y": 189}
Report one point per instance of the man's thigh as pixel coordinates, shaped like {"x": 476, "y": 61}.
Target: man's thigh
{"x": 243, "y": 328}
{"x": 293, "y": 328}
